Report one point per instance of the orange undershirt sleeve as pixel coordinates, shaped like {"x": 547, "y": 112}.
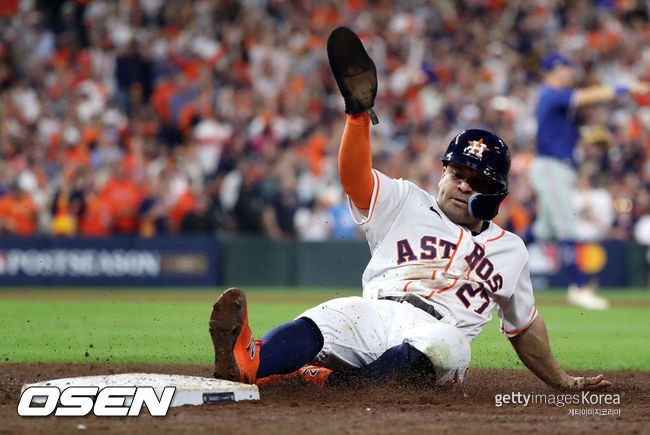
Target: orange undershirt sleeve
{"x": 355, "y": 160}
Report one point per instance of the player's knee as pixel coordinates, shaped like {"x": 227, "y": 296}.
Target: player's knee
{"x": 446, "y": 348}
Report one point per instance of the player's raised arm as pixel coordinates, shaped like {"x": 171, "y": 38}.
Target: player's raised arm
{"x": 356, "y": 77}
{"x": 603, "y": 93}
{"x": 533, "y": 348}
{"x": 355, "y": 161}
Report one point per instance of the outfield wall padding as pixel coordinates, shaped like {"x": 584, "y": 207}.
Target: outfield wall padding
{"x": 257, "y": 261}
{"x": 251, "y": 261}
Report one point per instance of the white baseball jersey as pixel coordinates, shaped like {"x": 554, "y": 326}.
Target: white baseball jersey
{"x": 416, "y": 248}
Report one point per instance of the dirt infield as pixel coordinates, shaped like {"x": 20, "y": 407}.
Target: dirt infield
{"x": 387, "y": 409}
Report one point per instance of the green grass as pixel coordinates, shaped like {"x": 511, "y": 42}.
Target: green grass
{"x": 170, "y": 326}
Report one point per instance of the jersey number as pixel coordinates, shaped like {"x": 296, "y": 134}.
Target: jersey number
{"x": 480, "y": 290}
{"x": 494, "y": 284}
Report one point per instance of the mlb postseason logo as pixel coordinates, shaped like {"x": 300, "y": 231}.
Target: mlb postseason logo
{"x": 107, "y": 402}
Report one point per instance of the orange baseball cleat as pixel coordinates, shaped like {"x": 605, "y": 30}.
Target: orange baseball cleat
{"x": 310, "y": 375}
{"x": 236, "y": 354}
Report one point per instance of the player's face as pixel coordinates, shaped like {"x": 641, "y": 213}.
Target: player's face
{"x": 567, "y": 76}
{"x": 456, "y": 187}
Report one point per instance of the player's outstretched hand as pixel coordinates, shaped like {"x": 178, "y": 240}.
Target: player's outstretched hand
{"x": 585, "y": 383}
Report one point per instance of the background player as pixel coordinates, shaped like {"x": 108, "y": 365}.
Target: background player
{"x": 553, "y": 173}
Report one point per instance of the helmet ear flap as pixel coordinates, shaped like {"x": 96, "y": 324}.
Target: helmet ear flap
{"x": 485, "y": 206}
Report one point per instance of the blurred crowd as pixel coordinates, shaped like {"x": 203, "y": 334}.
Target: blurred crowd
{"x": 159, "y": 117}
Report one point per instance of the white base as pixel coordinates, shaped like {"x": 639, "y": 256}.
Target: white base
{"x": 190, "y": 390}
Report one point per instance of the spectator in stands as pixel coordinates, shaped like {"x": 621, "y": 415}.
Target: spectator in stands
{"x": 594, "y": 208}
{"x": 343, "y": 227}
{"x": 251, "y": 215}
{"x": 17, "y": 212}
{"x": 185, "y": 203}
{"x": 205, "y": 218}
{"x": 153, "y": 212}
{"x": 96, "y": 221}
{"x": 123, "y": 197}
{"x": 284, "y": 204}
{"x": 133, "y": 73}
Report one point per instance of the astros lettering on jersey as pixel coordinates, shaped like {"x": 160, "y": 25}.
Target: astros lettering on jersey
{"x": 416, "y": 248}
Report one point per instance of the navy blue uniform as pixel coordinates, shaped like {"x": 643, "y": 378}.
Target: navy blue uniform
{"x": 557, "y": 134}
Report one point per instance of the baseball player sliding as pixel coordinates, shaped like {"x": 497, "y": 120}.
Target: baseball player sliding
{"x": 438, "y": 268}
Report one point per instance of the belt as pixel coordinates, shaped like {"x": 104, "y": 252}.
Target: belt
{"x": 417, "y": 302}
